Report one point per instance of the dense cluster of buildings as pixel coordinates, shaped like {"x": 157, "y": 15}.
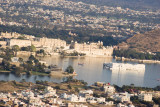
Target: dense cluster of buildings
{"x": 77, "y": 15}
{"x": 52, "y": 46}
{"x": 50, "y": 97}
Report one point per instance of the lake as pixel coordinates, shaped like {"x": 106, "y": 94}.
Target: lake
{"x": 90, "y": 69}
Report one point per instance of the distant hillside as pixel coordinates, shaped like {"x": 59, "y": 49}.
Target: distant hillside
{"x": 149, "y": 41}
{"x": 133, "y": 4}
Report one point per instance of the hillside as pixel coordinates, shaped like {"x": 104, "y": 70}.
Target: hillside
{"x": 133, "y": 4}
{"x": 149, "y": 41}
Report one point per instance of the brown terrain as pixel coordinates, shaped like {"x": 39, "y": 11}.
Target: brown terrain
{"x": 147, "y": 42}
{"x": 11, "y": 86}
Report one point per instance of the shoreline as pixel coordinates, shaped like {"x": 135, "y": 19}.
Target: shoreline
{"x": 61, "y": 74}
{"x": 4, "y": 71}
{"x": 54, "y": 74}
{"x": 137, "y": 60}
{"x": 55, "y": 55}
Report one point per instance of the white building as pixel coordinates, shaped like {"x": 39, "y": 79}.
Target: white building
{"x": 35, "y": 101}
{"x": 73, "y": 98}
{"x": 48, "y": 44}
{"x": 101, "y": 100}
{"x": 109, "y": 89}
{"x": 145, "y": 97}
{"x": 109, "y": 103}
{"x": 49, "y": 91}
{"x": 91, "y": 100}
{"x": 27, "y": 93}
{"x": 86, "y": 93}
{"x": 19, "y": 42}
{"x": 92, "y": 49}
{"x": 121, "y": 105}
{"x": 122, "y": 97}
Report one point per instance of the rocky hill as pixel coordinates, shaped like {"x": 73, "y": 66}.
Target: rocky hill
{"x": 147, "y": 42}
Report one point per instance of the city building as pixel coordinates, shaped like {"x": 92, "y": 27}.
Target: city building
{"x": 48, "y": 44}
{"x": 145, "y": 97}
{"x": 19, "y": 42}
{"x": 95, "y": 49}
{"x": 108, "y": 89}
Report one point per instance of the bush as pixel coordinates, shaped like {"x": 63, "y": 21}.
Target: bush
{"x": 69, "y": 70}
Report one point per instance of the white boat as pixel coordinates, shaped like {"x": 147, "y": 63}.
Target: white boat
{"x": 124, "y": 66}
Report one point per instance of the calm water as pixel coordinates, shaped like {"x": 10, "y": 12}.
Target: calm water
{"x": 92, "y": 71}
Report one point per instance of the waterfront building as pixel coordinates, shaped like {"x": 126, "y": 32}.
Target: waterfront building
{"x": 48, "y": 44}
{"x": 92, "y": 49}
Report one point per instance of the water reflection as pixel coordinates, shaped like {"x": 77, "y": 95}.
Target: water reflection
{"x": 92, "y": 71}
{"x": 128, "y": 77}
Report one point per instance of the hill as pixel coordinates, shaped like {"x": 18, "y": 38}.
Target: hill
{"x": 147, "y": 42}
{"x": 133, "y": 4}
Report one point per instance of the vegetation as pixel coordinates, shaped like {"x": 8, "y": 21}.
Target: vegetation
{"x": 130, "y": 53}
{"x": 84, "y": 35}
{"x": 132, "y": 88}
{"x": 31, "y": 48}
{"x": 63, "y": 53}
{"x": 69, "y": 70}
{"x": 32, "y": 64}
{"x": 41, "y": 51}
{"x": 156, "y": 100}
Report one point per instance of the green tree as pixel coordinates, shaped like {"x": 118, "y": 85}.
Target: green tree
{"x": 31, "y": 58}
{"x": 32, "y": 48}
{"x": 69, "y": 70}
{"x": 25, "y": 49}
{"x": 15, "y": 48}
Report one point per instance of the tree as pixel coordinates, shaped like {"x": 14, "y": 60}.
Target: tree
{"x": 20, "y": 60}
{"x": 15, "y": 48}
{"x": 5, "y": 64}
{"x": 32, "y": 48}
{"x": 24, "y": 49}
{"x": 41, "y": 51}
{"x": 31, "y": 58}
{"x": 69, "y": 70}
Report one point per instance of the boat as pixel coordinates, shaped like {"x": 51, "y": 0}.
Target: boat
{"x": 124, "y": 66}
{"x": 80, "y": 64}
{"x": 107, "y": 65}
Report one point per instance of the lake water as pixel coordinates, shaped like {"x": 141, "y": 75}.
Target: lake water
{"x": 92, "y": 71}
